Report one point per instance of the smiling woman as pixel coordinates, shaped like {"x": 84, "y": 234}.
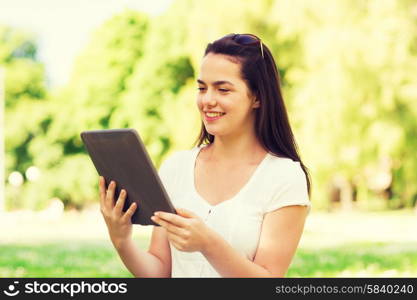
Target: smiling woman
{"x": 242, "y": 194}
{"x": 228, "y": 99}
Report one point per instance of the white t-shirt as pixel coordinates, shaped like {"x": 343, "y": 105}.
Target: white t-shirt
{"x": 276, "y": 182}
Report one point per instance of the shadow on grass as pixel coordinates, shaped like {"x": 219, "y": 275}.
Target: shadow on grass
{"x": 357, "y": 260}
{"x": 99, "y": 259}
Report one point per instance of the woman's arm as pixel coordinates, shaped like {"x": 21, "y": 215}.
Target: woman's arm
{"x": 156, "y": 262}
{"x": 280, "y": 235}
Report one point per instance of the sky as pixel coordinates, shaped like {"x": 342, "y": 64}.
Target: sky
{"x": 62, "y": 27}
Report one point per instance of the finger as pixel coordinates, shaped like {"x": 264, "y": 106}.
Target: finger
{"x": 176, "y": 245}
{"x": 129, "y": 213}
{"x": 176, "y": 240}
{"x": 168, "y": 226}
{"x": 172, "y": 218}
{"x": 185, "y": 213}
{"x": 109, "y": 202}
{"x": 120, "y": 203}
{"x": 160, "y": 222}
{"x": 102, "y": 189}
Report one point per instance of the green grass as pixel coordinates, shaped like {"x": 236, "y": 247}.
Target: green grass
{"x": 99, "y": 259}
{"x": 333, "y": 245}
{"x": 357, "y": 260}
{"x": 73, "y": 259}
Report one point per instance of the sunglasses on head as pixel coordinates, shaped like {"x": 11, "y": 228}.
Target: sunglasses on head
{"x": 246, "y": 39}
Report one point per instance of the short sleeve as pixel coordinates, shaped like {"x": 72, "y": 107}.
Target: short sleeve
{"x": 291, "y": 190}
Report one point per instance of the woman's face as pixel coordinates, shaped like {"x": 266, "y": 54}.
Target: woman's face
{"x": 224, "y": 99}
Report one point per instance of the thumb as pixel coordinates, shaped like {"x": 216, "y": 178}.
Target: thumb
{"x": 185, "y": 213}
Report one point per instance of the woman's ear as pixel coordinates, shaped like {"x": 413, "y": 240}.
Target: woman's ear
{"x": 256, "y": 103}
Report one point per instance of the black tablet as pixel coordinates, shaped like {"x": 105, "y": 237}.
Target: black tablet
{"x": 120, "y": 155}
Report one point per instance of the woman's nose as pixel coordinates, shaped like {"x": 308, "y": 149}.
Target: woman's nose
{"x": 209, "y": 99}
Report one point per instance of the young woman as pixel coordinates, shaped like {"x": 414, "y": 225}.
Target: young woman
{"x": 242, "y": 194}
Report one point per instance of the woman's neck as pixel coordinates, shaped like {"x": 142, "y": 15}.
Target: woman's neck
{"x": 237, "y": 149}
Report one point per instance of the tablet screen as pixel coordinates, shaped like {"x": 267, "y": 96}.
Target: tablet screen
{"x": 120, "y": 155}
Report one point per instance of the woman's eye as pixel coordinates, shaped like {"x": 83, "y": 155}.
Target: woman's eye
{"x": 224, "y": 90}
{"x": 201, "y": 89}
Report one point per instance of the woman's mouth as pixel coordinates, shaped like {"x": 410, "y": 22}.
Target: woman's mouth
{"x": 213, "y": 116}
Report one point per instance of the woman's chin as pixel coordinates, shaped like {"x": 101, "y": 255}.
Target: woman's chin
{"x": 213, "y": 131}
{"x": 216, "y": 133}
{"x": 216, "y": 130}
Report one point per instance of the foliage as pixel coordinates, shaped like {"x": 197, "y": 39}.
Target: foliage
{"x": 347, "y": 70}
{"x": 25, "y": 96}
{"x": 353, "y": 90}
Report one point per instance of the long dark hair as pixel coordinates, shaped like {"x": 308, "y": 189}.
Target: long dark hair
{"x": 258, "y": 69}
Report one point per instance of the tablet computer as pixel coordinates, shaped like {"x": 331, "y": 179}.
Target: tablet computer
{"x": 120, "y": 155}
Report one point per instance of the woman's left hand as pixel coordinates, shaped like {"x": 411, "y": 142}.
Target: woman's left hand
{"x": 186, "y": 231}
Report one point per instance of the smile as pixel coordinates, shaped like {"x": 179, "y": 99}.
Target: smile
{"x": 213, "y": 116}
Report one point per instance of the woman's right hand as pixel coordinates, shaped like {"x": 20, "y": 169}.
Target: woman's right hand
{"x": 118, "y": 222}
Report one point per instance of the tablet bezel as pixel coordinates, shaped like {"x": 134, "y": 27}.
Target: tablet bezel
{"x": 125, "y": 152}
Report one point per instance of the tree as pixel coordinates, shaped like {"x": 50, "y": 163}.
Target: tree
{"x": 348, "y": 84}
{"x": 25, "y": 96}
{"x": 352, "y": 89}
{"x": 98, "y": 80}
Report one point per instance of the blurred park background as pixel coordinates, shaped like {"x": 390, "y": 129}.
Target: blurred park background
{"x": 348, "y": 70}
